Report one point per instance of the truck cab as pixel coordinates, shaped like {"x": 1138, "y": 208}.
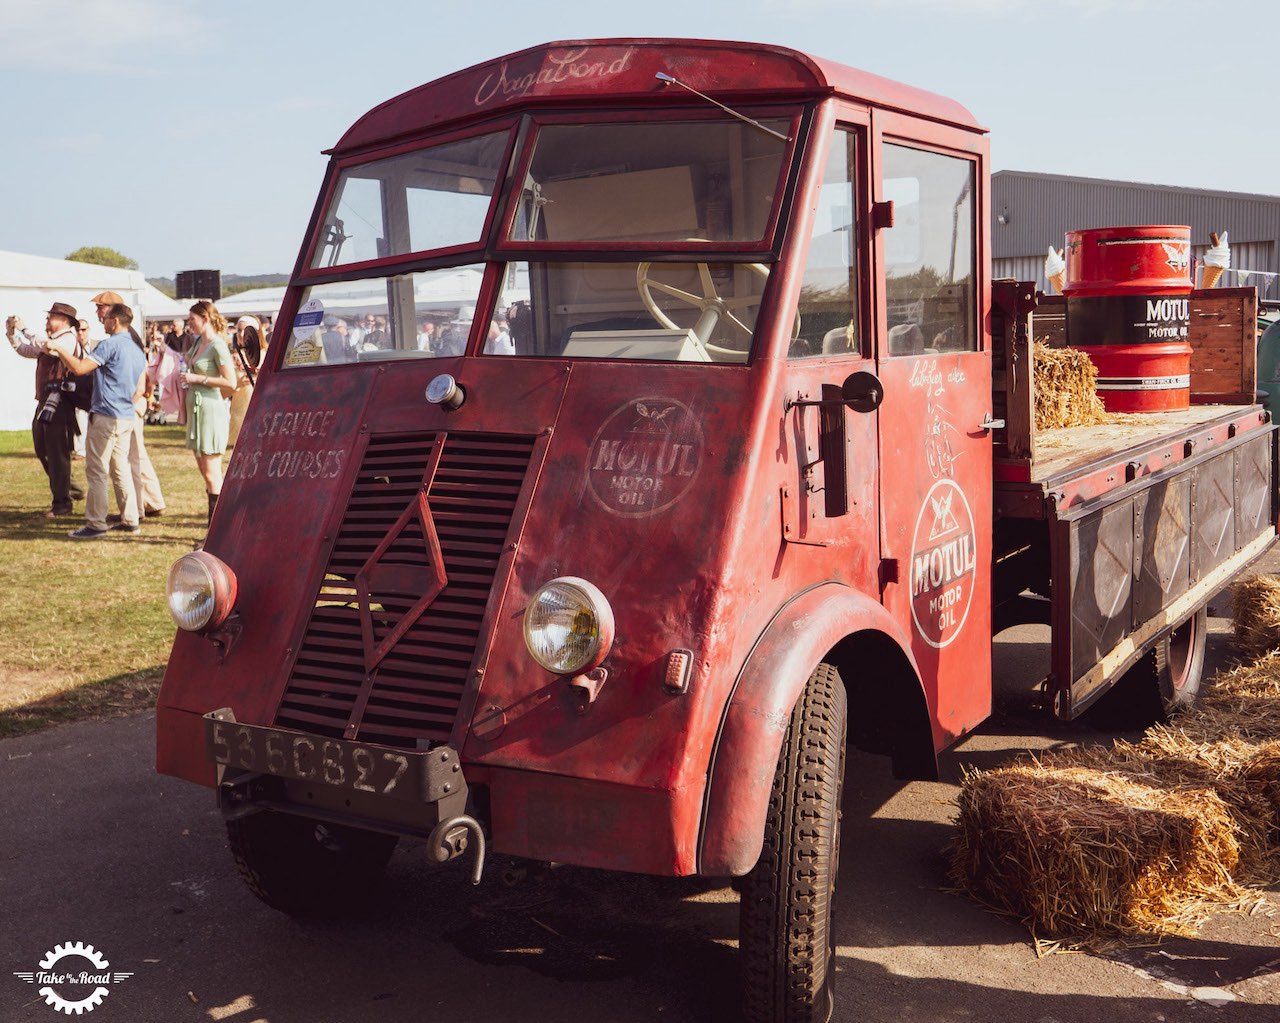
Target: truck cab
{"x": 624, "y": 448}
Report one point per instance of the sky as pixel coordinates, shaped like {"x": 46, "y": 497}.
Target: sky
{"x": 188, "y": 134}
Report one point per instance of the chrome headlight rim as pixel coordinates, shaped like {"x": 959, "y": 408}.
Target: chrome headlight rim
{"x": 217, "y": 587}
{"x": 592, "y": 599}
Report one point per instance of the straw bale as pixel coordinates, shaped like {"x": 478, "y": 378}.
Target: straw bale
{"x": 1065, "y": 387}
{"x": 1181, "y": 760}
{"x": 1080, "y": 853}
{"x": 1139, "y": 838}
{"x": 1255, "y": 610}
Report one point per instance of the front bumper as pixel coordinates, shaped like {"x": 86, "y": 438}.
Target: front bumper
{"x": 400, "y": 790}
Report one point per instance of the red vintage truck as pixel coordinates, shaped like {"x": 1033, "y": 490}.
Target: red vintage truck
{"x": 626, "y": 443}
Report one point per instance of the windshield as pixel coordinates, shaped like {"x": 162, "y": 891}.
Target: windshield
{"x": 424, "y": 315}
{"x": 431, "y": 198}
{"x": 692, "y": 181}
{"x": 669, "y": 312}
{"x": 580, "y": 193}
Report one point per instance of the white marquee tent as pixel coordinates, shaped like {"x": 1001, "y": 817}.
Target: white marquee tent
{"x": 439, "y": 291}
{"x": 30, "y": 284}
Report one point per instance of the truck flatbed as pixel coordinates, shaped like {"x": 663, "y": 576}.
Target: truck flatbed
{"x": 1069, "y": 467}
{"x": 1077, "y": 449}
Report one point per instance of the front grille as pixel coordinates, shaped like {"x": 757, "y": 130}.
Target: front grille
{"x": 412, "y": 695}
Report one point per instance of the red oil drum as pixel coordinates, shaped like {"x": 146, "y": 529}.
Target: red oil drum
{"x": 1129, "y": 308}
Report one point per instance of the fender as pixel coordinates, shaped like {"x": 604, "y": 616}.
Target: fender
{"x": 755, "y": 720}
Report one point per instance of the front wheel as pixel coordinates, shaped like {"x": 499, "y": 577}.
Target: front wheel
{"x": 786, "y": 930}
{"x": 306, "y": 867}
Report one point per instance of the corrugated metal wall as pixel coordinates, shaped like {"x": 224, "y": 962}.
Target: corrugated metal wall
{"x": 1021, "y": 268}
{"x": 1039, "y": 209}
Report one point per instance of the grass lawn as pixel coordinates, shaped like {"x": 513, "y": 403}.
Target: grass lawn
{"x": 86, "y": 631}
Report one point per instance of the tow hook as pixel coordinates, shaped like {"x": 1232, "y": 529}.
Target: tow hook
{"x": 449, "y": 840}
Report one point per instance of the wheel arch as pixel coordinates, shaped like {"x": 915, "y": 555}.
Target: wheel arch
{"x": 888, "y": 711}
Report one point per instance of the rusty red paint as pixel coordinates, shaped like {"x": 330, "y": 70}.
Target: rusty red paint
{"x": 693, "y": 495}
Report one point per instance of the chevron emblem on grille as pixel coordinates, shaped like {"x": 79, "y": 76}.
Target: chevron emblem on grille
{"x": 392, "y": 572}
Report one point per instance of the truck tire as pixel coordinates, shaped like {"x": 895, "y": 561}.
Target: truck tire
{"x": 1179, "y": 663}
{"x": 304, "y": 867}
{"x": 786, "y": 931}
{"x": 1165, "y": 682}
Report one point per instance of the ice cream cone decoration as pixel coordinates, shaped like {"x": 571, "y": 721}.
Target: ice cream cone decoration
{"x": 1055, "y": 269}
{"x": 1217, "y": 259}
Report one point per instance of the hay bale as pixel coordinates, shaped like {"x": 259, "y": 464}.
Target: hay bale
{"x": 1181, "y": 760}
{"x": 1262, "y": 774}
{"x": 1083, "y": 854}
{"x": 1255, "y": 612}
{"x": 1066, "y": 388}
{"x": 1139, "y": 838}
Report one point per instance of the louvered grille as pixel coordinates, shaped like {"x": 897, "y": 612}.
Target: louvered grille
{"x": 417, "y": 686}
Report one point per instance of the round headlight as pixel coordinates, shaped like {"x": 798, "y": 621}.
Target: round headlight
{"x": 568, "y": 626}
{"x": 201, "y": 591}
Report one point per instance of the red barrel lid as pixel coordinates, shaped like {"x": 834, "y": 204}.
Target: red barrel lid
{"x": 1153, "y": 259}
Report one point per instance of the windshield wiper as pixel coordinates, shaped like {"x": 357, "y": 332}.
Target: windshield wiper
{"x": 666, "y": 79}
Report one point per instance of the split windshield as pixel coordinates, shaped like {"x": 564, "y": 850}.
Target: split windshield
{"x": 658, "y": 188}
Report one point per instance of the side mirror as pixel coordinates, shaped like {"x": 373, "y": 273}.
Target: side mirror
{"x": 862, "y": 392}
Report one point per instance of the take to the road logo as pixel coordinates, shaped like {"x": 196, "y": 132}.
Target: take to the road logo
{"x": 74, "y": 978}
{"x": 943, "y": 564}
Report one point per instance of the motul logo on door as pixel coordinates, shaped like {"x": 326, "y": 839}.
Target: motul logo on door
{"x": 943, "y": 564}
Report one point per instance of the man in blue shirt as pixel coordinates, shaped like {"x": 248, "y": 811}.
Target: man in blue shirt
{"x": 119, "y": 368}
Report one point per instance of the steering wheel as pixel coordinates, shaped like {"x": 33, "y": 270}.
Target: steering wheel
{"x": 712, "y": 308}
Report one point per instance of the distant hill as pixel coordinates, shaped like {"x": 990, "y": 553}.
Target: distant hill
{"x": 232, "y": 284}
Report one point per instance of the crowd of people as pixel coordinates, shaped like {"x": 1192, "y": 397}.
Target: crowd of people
{"x": 345, "y": 338}
{"x": 94, "y": 396}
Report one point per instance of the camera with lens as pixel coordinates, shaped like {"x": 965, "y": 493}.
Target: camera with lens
{"x": 49, "y": 407}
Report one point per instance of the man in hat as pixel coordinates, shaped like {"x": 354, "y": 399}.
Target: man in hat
{"x": 53, "y": 429}
{"x": 145, "y": 481}
{"x": 119, "y": 369}
{"x": 82, "y": 410}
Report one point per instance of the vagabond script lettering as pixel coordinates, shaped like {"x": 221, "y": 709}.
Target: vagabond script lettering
{"x": 556, "y": 69}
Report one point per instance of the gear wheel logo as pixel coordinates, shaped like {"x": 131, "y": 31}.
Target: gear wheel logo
{"x": 64, "y": 978}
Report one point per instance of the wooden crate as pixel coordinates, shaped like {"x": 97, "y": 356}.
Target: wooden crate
{"x": 1224, "y": 346}
{"x": 1223, "y": 355}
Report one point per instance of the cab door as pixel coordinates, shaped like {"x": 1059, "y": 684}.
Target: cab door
{"x": 829, "y": 458}
{"x": 934, "y": 362}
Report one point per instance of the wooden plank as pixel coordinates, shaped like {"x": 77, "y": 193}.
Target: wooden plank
{"x": 1049, "y": 322}
{"x": 1059, "y": 451}
{"x": 1020, "y": 413}
{"x": 1011, "y": 351}
{"x": 1224, "y": 344}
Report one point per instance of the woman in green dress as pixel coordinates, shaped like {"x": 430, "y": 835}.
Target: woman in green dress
{"x": 210, "y": 371}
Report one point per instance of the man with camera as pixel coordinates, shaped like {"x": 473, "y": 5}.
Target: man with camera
{"x": 119, "y": 368}
{"x": 145, "y": 481}
{"x": 53, "y": 430}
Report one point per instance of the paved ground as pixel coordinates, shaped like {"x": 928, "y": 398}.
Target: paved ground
{"x": 97, "y": 848}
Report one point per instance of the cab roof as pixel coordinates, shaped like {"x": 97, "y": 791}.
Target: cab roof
{"x": 624, "y": 70}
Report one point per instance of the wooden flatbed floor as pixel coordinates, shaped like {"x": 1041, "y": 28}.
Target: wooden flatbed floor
{"x": 1063, "y": 451}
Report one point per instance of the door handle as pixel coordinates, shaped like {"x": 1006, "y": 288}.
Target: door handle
{"x": 990, "y": 424}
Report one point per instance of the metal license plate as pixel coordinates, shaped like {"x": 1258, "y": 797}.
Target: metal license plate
{"x": 335, "y": 763}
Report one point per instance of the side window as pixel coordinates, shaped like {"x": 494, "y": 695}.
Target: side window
{"x": 930, "y": 287}
{"x": 828, "y": 320}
